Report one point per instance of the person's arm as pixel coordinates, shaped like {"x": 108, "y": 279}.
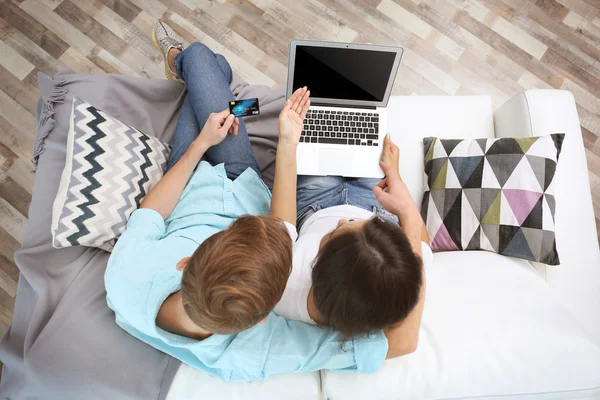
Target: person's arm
{"x": 293, "y": 346}
{"x": 411, "y": 223}
{"x": 393, "y": 195}
{"x": 283, "y": 203}
{"x": 424, "y": 234}
{"x": 129, "y": 265}
{"x": 404, "y": 339}
{"x": 164, "y": 195}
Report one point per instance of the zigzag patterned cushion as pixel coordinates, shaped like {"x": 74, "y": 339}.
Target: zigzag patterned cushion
{"x": 492, "y": 194}
{"x": 110, "y": 168}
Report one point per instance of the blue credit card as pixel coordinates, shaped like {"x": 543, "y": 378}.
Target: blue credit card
{"x": 244, "y": 108}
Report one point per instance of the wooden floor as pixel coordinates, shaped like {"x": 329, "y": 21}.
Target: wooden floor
{"x": 454, "y": 47}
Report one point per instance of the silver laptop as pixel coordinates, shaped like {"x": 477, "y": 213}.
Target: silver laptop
{"x": 350, "y": 85}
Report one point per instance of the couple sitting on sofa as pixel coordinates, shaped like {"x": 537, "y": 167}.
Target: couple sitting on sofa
{"x": 209, "y": 255}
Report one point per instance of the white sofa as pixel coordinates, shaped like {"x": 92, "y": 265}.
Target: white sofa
{"x": 493, "y": 326}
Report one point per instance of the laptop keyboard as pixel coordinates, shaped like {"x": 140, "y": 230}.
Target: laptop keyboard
{"x": 341, "y": 127}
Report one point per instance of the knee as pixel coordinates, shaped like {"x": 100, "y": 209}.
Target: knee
{"x": 329, "y": 183}
{"x": 199, "y": 50}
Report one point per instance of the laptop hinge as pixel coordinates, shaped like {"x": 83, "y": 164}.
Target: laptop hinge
{"x": 342, "y": 105}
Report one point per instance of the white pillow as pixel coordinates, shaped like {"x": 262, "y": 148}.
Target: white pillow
{"x": 491, "y": 329}
{"x": 109, "y": 169}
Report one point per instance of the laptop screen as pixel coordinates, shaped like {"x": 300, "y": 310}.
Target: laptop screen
{"x": 341, "y": 73}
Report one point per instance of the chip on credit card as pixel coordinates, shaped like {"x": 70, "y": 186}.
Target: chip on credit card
{"x": 244, "y": 108}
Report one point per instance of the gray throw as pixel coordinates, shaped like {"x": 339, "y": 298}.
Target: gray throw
{"x": 63, "y": 342}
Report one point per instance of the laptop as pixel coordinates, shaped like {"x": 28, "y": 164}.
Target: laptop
{"x": 350, "y": 85}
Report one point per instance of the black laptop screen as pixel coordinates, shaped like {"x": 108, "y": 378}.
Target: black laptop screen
{"x": 340, "y": 73}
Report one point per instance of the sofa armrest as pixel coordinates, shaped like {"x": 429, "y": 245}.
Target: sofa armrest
{"x": 576, "y": 282}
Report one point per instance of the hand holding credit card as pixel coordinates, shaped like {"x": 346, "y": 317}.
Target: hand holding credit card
{"x": 244, "y": 108}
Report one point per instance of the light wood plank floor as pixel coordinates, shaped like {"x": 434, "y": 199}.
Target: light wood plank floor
{"x": 454, "y": 47}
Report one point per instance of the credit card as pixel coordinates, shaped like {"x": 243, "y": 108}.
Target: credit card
{"x": 244, "y": 108}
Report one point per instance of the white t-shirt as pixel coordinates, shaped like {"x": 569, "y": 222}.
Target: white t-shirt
{"x": 293, "y": 303}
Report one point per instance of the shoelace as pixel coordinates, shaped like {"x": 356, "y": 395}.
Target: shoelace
{"x": 169, "y": 42}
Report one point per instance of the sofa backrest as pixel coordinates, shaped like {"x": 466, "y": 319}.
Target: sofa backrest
{"x": 411, "y": 118}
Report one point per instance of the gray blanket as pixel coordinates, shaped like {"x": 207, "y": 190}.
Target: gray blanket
{"x": 63, "y": 342}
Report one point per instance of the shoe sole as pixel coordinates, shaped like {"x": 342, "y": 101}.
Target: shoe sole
{"x": 168, "y": 73}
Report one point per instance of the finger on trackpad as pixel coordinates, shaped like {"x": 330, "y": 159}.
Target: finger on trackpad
{"x": 335, "y": 162}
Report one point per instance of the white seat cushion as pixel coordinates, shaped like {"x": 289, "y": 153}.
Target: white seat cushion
{"x": 491, "y": 327}
{"x": 576, "y": 282}
{"x": 191, "y": 384}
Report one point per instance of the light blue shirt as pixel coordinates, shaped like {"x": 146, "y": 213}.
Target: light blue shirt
{"x": 141, "y": 274}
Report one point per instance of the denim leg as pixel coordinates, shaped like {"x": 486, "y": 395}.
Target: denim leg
{"x": 186, "y": 132}
{"x": 187, "y": 129}
{"x": 360, "y": 194}
{"x": 207, "y": 76}
{"x": 317, "y": 192}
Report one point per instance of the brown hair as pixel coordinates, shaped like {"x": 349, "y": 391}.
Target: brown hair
{"x": 366, "y": 280}
{"x": 237, "y": 276}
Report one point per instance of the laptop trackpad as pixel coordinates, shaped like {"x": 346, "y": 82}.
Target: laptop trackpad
{"x": 336, "y": 162}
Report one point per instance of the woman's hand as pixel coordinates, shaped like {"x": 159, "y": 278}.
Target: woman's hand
{"x": 215, "y": 130}
{"x": 391, "y": 192}
{"x": 292, "y": 116}
{"x": 391, "y": 156}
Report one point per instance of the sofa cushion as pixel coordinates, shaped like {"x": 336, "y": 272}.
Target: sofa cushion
{"x": 109, "y": 169}
{"x": 491, "y": 328}
{"x": 191, "y": 384}
{"x": 492, "y": 194}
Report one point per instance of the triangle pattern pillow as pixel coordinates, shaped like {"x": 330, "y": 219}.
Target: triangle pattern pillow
{"x": 492, "y": 194}
{"x": 110, "y": 167}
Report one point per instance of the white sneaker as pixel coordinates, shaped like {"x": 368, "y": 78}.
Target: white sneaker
{"x": 165, "y": 39}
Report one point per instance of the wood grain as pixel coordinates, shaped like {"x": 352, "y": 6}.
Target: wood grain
{"x": 13, "y": 62}
{"x": 124, "y": 8}
{"x": 553, "y": 8}
{"x": 30, "y": 27}
{"x": 87, "y": 25}
{"x": 58, "y": 25}
{"x": 7, "y": 249}
{"x": 452, "y": 47}
{"x": 12, "y": 220}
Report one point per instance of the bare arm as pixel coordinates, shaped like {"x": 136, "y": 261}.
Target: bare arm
{"x": 425, "y": 234}
{"x": 283, "y": 203}
{"x": 404, "y": 338}
{"x": 412, "y": 225}
{"x": 165, "y": 194}
{"x": 393, "y": 194}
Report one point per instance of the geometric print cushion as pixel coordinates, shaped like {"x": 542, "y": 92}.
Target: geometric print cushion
{"x": 492, "y": 194}
{"x": 110, "y": 167}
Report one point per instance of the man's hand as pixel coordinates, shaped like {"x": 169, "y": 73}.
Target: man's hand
{"x": 292, "y": 116}
{"x": 215, "y": 130}
{"x": 391, "y": 192}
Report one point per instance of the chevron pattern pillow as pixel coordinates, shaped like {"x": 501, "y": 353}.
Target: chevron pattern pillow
{"x": 492, "y": 194}
{"x": 110, "y": 168}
